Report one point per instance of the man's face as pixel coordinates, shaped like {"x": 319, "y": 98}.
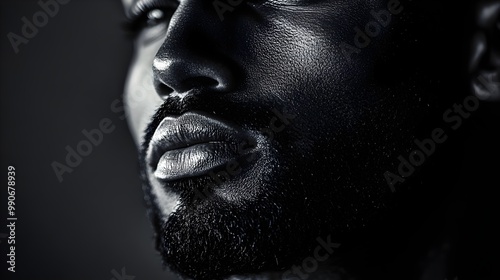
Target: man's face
{"x": 264, "y": 129}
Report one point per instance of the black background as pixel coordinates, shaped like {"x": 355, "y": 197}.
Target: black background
{"x": 63, "y": 81}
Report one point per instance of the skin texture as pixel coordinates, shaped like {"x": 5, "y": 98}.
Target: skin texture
{"x": 321, "y": 173}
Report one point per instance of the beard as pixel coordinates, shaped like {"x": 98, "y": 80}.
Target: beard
{"x": 268, "y": 217}
{"x": 252, "y": 222}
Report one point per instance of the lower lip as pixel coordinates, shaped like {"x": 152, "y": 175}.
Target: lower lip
{"x": 194, "y": 160}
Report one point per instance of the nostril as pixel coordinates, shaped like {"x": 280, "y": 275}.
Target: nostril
{"x": 181, "y": 75}
{"x": 163, "y": 90}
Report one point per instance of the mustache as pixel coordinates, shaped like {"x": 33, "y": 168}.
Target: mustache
{"x": 172, "y": 106}
{"x": 250, "y": 112}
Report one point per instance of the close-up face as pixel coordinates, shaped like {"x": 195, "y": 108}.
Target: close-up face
{"x": 265, "y": 124}
{"x": 250, "y": 139}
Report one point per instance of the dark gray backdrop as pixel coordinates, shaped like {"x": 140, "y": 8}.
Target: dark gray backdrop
{"x": 63, "y": 81}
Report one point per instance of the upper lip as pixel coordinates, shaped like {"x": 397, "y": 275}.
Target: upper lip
{"x": 191, "y": 128}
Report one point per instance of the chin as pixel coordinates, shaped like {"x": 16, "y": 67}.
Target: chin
{"x": 265, "y": 219}
{"x": 244, "y": 224}
{"x": 312, "y": 179}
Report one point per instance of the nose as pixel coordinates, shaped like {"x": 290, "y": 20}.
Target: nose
{"x": 193, "y": 55}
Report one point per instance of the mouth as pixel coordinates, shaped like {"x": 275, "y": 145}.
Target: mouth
{"x": 194, "y": 144}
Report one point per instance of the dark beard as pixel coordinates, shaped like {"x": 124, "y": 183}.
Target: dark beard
{"x": 301, "y": 198}
{"x": 211, "y": 238}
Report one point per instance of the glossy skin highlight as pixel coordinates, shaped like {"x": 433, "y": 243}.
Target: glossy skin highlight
{"x": 322, "y": 174}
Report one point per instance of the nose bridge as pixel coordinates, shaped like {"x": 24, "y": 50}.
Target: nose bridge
{"x": 192, "y": 54}
{"x": 190, "y": 22}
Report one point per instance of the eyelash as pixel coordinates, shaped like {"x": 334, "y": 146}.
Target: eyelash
{"x": 139, "y": 18}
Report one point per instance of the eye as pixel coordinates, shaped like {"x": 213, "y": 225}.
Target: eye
{"x": 149, "y": 14}
{"x": 155, "y": 17}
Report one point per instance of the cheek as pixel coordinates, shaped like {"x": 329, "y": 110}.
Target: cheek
{"x": 300, "y": 63}
{"x": 299, "y": 54}
{"x": 140, "y": 97}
